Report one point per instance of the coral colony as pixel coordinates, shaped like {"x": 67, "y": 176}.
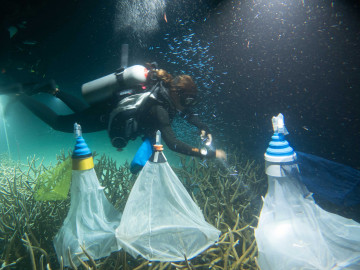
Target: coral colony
{"x": 28, "y": 226}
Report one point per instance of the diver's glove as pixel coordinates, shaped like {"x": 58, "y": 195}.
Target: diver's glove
{"x": 206, "y": 138}
{"x": 207, "y": 153}
{"x": 213, "y": 153}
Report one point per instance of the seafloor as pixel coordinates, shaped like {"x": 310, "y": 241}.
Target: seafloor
{"x": 229, "y": 196}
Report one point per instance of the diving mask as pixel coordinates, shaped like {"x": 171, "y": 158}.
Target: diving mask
{"x": 188, "y": 101}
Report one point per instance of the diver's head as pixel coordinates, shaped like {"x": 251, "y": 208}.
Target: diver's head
{"x": 183, "y": 91}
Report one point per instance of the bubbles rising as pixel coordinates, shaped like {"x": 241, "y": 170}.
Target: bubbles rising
{"x": 140, "y": 18}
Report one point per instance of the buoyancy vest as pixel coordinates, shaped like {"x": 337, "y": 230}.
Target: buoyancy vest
{"x": 124, "y": 118}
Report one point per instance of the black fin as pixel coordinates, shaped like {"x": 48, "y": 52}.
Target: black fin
{"x": 11, "y": 89}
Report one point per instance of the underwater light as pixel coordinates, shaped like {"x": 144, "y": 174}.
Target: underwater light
{"x": 5, "y": 129}
{"x": 293, "y": 232}
{"x": 233, "y": 173}
{"x": 280, "y": 231}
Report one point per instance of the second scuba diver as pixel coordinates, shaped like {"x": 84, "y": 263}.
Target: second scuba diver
{"x": 167, "y": 96}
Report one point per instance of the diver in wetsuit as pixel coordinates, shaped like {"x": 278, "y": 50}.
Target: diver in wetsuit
{"x": 168, "y": 97}
{"x": 171, "y": 96}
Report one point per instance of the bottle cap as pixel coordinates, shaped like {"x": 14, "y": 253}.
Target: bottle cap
{"x": 279, "y": 153}
{"x": 81, "y": 149}
{"x": 279, "y": 150}
{"x": 82, "y": 157}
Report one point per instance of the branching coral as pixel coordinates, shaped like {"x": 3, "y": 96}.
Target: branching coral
{"x": 229, "y": 197}
{"x": 117, "y": 181}
{"x": 21, "y": 216}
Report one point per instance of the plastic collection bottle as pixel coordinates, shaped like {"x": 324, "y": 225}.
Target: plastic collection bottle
{"x": 293, "y": 231}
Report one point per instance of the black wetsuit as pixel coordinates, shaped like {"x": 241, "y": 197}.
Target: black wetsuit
{"x": 91, "y": 118}
{"x": 157, "y": 115}
{"x": 158, "y": 118}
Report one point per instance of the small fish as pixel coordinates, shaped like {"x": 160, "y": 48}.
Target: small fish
{"x": 12, "y": 30}
{"x": 165, "y": 18}
{"x": 22, "y": 25}
{"x": 30, "y": 42}
{"x": 203, "y": 164}
{"x": 306, "y": 128}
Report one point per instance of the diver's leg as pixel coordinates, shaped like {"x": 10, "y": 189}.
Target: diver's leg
{"x": 10, "y": 89}
{"x": 43, "y": 112}
{"x": 90, "y": 121}
{"x": 74, "y": 103}
{"x": 142, "y": 155}
{"x": 48, "y": 87}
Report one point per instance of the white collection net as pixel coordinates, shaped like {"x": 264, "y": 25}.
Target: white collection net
{"x": 161, "y": 222}
{"x": 91, "y": 221}
{"x": 295, "y": 233}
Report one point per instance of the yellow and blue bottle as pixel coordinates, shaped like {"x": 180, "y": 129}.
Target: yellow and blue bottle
{"x": 82, "y": 158}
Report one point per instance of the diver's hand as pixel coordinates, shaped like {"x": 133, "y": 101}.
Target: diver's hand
{"x": 206, "y": 137}
{"x": 220, "y": 154}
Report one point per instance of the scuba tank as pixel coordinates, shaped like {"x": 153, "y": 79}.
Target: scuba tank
{"x": 103, "y": 88}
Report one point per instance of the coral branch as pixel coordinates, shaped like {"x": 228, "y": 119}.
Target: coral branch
{"x": 229, "y": 197}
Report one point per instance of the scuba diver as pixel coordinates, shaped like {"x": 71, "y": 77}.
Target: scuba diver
{"x": 126, "y": 113}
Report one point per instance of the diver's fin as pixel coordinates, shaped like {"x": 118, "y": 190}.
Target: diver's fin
{"x": 48, "y": 87}
{"x": 9, "y": 103}
{"x": 30, "y": 88}
{"x": 11, "y": 89}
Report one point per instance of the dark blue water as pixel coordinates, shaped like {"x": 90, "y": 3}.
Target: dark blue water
{"x": 251, "y": 60}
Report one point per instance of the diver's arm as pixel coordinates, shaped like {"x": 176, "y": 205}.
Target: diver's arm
{"x": 168, "y": 135}
{"x": 205, "y": 133}
{"x": 205, "y": 136}
{"x": 194, "y": 119}
{"x": 175, "y": 144}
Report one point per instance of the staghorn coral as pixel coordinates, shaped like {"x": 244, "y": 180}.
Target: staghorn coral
{"x": 229, "y": 197}
{"x": 21, "y": 216}
{"x": 117, "y": 181}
